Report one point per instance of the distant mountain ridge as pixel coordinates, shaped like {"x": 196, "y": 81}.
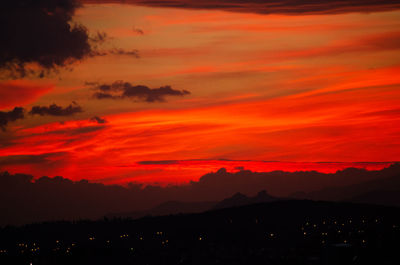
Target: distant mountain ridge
{"x": 24, "y": 199}
{"x": 384, "y": 190}
{"x": 167, "y": 208}
{"x": 176, "y": 207}
{"x": 240, "y": 200}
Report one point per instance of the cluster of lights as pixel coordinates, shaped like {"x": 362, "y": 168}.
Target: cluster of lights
{"x": 339, "y": 230}
{"x": 36, "y": 249}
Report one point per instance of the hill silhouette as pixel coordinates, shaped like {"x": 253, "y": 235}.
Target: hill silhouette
{"x": 240, "y": 199}
{"x": 175, "y": 207}
{"x": 385, "y": 189}
{"x": 167, "y": 208}
{"x": 279, "y": 232}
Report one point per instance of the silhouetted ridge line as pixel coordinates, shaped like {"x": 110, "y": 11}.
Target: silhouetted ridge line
{"x": 24, "y": 199}
{"x": 280, "y": 232}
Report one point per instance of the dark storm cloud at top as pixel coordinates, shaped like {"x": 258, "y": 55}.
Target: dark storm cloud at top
{"x": 271, "y": 6}
{"x": 40, "y": 32}
{"x": 120, "y": 90}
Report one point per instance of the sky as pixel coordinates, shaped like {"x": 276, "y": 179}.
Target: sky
{"x": 167, "y": 91}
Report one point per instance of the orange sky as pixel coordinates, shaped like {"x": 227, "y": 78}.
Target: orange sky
{"x": 262, "y": 88}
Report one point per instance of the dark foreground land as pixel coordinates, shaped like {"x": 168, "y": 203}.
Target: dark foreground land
{"x": 282, "y": 232}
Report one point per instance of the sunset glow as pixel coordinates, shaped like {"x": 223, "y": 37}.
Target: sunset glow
{"x": 245, "y": 89}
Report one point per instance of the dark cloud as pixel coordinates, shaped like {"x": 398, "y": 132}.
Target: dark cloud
{"x": 120, "y": 90}
{"x": 117, "y": 51}
{"x": 40, "y": 32}
{"x": 98, "y": 120}
{"x": 24, "y": 200}
{"x": 52, "y": 110}
{"x": 134, "y": 53}
{"x": 55, "y": 110}
{"x": 138, "y": 31}
{"x": 9, "y": 116}
{"x": 21, "y": 159}
{"x": 27, "y": 159}
{"x": 99, "y": 37}
{"x": 292, "y": 7}
{"x": 101, "y": 95}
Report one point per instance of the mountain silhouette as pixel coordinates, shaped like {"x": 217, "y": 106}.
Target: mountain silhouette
{"x": 383, "y": 190}
{"x": 177, "y": 207}
{"x": 167, "y": 208}
{"x": 240, "y": 199}
{"x": 26, "y": 199}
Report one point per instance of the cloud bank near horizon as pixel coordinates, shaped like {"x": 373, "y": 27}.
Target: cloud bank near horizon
{"x": 24, "y": 200}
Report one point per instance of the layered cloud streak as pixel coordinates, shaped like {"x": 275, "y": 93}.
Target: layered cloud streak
{"x": 292, "y": 7}
{"x": 121, "y": 90}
